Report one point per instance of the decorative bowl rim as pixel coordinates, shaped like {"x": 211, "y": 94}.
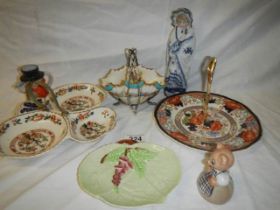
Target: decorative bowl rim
{"x": 100, "y": 89}
{"x": 99, "y": 138}
{"x": 62, "y": 138}
{"x": 122, "y": 82}
{"x": 81, "y": 83}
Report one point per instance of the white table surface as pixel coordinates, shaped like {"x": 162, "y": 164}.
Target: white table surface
{"x": 79, "y": 40}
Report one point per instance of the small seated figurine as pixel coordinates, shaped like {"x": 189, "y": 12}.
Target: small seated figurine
{"x": 215, "y": 184}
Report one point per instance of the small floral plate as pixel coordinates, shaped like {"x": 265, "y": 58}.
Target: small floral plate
{"x": 129, "y": 175}
{"x": 89, "y": 125}
{"x": 229, "y": 122}
{"x": 79, "y": 97}
{"x": 31, "y": 134}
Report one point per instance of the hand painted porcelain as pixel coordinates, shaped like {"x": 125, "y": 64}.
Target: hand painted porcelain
{"x": 180, "y": 47}
{"x": 87, "y": 126}
{"x": 129, "y": 175}
{"x": 23, "y": 70}
{"x": 229, "y": 122}
{"x": 31, "y": 134}
{"x": 72, "y": 98}
{"x": 132, "y": 84}
{"x": 36, "y": 87}
{"x": 79, "y": 97}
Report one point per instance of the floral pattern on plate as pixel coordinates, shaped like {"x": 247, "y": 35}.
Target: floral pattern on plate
{"x": 79, "y": 96}
{"x": 78, "y": 103}
{"x": 31, "y": 134}
{"x": 92, "y": 129}
{"x": 228, "y": 121}
{"x": 32, "y": 141}
{"x": 89, "y": 125}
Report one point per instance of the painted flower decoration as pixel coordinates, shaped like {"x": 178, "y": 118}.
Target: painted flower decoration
{"x": 216, "y": 125}
{"x": 232, "y": 105}
{"x": 248, "y": 135}
{"x": 38, "y": 117}
{"x": 197, "y": 119}
{"x": 175, "y": 100}
{"x": 180, "y": 136}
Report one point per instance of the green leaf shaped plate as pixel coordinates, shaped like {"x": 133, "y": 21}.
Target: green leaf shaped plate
{"x": 129, "y": 175}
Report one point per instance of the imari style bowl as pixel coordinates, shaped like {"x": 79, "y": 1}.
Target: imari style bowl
{"x": 129, "y": 174}
{"x": 31, "y": 134}
{"x": 79, "y": 97}
{"x": 88, "y": 126}
{"x": 228, "y": 121}
{"x": 132, "y": 84}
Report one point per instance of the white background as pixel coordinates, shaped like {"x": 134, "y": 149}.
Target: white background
{"x": 79, "y": 40}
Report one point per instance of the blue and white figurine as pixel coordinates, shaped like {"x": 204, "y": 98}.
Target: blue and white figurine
{"x": 180, "y": 47}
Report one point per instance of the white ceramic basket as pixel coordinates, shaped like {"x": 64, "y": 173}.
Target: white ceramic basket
{"x": 132, "y": 84}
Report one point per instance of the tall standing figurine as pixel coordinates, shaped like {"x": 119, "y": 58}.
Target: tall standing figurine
{"x": 180, "y": 48}
{"x": 215, "y": 184}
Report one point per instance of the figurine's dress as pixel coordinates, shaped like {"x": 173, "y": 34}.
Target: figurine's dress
{"x": 180, "y": 48}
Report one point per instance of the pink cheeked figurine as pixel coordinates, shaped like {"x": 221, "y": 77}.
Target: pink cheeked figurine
{"x": 215, "y": 183}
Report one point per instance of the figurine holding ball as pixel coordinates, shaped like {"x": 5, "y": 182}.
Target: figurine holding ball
{"x": 215, "y": 184}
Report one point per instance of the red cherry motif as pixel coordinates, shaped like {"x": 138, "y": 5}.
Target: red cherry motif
{"x": 40, "y": 91}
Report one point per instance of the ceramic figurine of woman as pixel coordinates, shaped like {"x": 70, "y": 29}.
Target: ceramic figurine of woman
{"x": 215, "y": 183}
{"x": 179, "y": 52}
